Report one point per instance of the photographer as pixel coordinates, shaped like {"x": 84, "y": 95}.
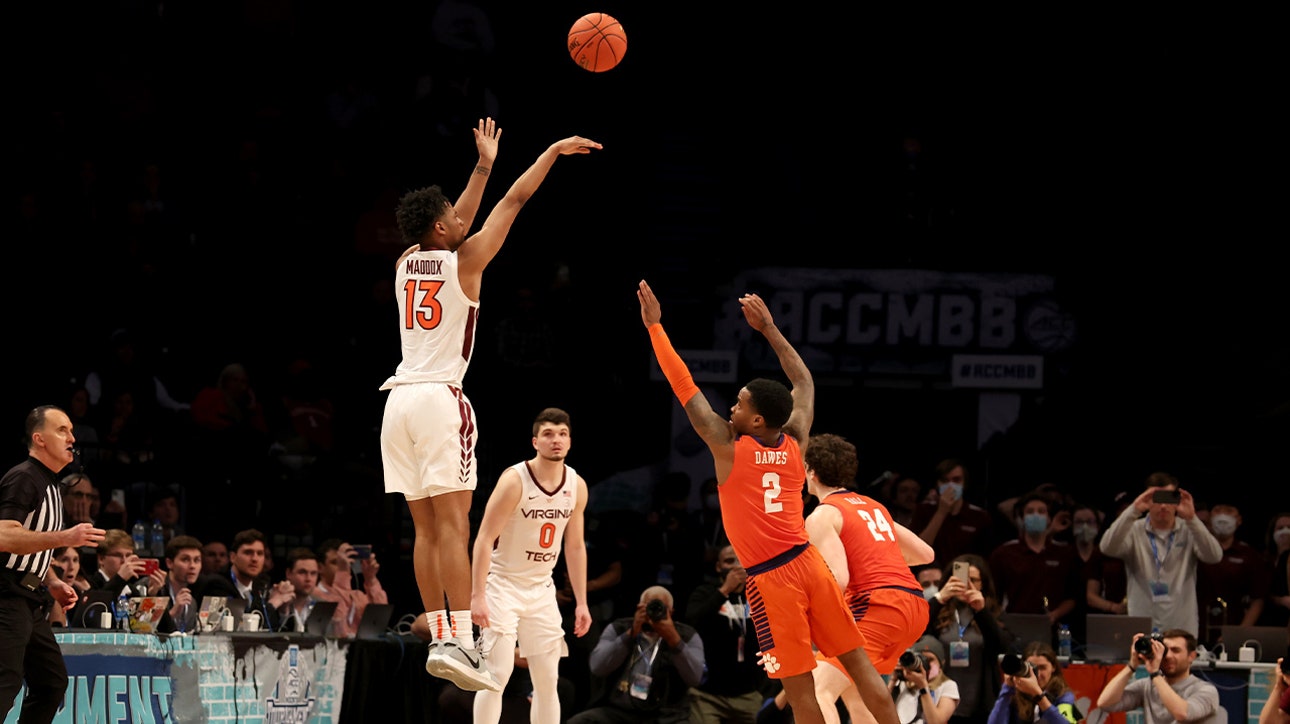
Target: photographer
{"x": 918, "y": 684}
{"x": 1168, "y": 692}
{"x": 1034, "y": 689}
{"x": 648, "y": 664}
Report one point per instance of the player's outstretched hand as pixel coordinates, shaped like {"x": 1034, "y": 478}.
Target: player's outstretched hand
{"x": 575, "y": 144}
{"x": 651, "y": 311}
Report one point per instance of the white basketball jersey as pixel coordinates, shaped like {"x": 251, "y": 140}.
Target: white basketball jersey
{"x": 437, "y": 321}
{"x": 530, "y": 543}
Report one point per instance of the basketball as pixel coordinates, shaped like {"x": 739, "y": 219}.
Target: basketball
{"x": 597, "y": 42}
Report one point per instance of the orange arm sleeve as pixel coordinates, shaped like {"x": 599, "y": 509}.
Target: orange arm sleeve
{"x": 674, "y": 369}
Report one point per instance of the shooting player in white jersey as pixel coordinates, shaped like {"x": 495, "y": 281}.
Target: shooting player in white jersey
{"x": 535, "y": 509}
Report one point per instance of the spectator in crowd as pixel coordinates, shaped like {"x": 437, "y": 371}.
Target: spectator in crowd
{"x": 119, "y": 566}
{"x": 185, "y": 584}
{"x": 906, "y": 493}
{"x": 1276, "y": 609}
{"x": 69, "y": 560}
{"x": 246, "y": 571}
{"x": 302, "y": 572}
{"x": 1033, "y": 573}
{"x": 924, "y": 693}
{"x": 1232, "y": 591}
{"x": 1039, "y": 694}
{"x": 949, "y": 523}
{"x": 232, "y": 433}
{"x": 1169, "y": 691}
{"x": 163, "y": 507}
{"x": 1104, "y": 585}
{"x": 671, "y": 536}
{"x": 1161, "y": 552}
{"x": 649, "y": 662}
{"x": 964, "y": 616}
{"x": 215, "y": 558}
{"x": 339, "y": 565}
{"x": 730, "y": 692}
{"x": 929, "y": 577}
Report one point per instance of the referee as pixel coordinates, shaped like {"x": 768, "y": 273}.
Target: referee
{"x": 31, "y": 526}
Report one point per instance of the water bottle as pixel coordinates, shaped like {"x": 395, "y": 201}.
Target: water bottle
{"x": 158, "y": 539}
{"x": 140, "y": 534}
{"x": 122, "y": 611}
{"x": 1064, "y": 641}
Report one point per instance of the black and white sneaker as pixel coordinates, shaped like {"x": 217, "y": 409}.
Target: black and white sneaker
{"x": 463, "y": 667}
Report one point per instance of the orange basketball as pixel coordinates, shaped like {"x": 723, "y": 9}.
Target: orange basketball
{"x": 597, "y": 42}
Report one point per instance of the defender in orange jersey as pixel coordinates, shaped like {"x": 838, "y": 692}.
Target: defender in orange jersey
{"x": 757, "y": 453}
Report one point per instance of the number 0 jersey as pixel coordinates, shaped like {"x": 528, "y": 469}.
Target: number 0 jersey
{"x": 530, "y": 543}
{"x": 437, "y": 321}
{"x": 761, "y": 501}
{"x": 874, "y": 559}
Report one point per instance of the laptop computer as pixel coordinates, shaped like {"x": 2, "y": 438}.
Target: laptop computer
{"x": 93, "y": 603}
{"x": 146, "y": 612}
{"x": 318, "y": 622}
{"x": 1027, "y": 627}
{"x": 375, "y": 621}
{"x": 210, "y": 612}
{"x": 1109, "y": 636}
{"x": 1269, "y": 642}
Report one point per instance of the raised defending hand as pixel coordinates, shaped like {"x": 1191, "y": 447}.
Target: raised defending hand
{"x": 575, "y": 144}
{"x": 651, "y": 312}
{"x": 756, "y": 312}
{"x": 486, "y": 138}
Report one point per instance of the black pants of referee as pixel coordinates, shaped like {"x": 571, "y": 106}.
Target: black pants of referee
{"x": 28, "y": 650}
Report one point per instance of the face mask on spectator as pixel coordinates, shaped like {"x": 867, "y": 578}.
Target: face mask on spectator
{"x": 1281, "y": 536}
{"x": 945, "y": 488}
{"x": 1085, "y": 532}
{"x": 1035, "y": 522}
{"x": 929, "y": 592}
{"x": 1223, "y": 524}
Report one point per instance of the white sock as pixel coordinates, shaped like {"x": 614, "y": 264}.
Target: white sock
{"x": 440, "y": 630}
{"x": 462, "y": 629}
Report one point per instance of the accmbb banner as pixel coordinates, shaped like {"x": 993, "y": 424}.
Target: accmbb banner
{"x": 898, "y": 322}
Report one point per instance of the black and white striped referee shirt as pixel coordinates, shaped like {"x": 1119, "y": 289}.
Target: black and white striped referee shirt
{"x": 31, "y": 494}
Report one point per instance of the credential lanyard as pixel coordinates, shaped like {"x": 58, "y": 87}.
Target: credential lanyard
{"x": 1155, "y": 551}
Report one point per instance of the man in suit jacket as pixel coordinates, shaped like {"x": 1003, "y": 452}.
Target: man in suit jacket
{"x": 185, "y": 584}
{"x": 246, "y": 572}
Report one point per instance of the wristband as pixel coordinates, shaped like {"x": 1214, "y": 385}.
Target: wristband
{"x": 1155, "y": 673}
{"x": 924, "y": 692}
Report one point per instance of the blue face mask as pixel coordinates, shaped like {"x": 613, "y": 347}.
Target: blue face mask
{"x": 1035, "y": 522}
{"x": 954, "y": 490}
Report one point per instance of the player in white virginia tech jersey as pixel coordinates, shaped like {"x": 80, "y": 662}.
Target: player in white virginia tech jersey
{"x": 535, "y": 509}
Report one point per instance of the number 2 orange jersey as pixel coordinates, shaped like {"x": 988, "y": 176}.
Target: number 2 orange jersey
{"x": 761, "y": 501}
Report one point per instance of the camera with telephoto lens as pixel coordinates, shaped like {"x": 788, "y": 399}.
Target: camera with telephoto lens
{"x": 911, "y": 660}
{"x": 656, "y": 610}
{"x": 1143, "y": 645}
{"x": 1014, "y": 665}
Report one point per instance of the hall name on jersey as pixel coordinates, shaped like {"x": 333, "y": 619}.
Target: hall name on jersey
{"x": 425, "y": 266}
{"x": 544, "y": 513}
{"x": 771, "y": 457}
